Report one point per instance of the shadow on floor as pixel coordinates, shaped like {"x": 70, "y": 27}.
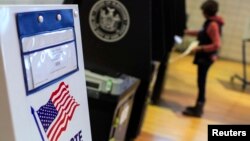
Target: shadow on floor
{"x": 177, "y": 101}
{"x": 174, "y": 106}
{"x": 170, "y": 99}
{"x": 234, "y": 86}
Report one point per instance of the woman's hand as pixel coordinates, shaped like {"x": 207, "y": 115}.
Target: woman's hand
{"x": 191, "y": 32}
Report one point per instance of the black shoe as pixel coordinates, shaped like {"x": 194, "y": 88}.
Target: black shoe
{"x": 195, "y": 111}
{"x": 190, "y": 108}
{"x": 192, "y": 113}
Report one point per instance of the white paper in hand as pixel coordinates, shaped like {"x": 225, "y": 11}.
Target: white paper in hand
{"x": 192, "y": 46}
{"x": 178, "y": 39}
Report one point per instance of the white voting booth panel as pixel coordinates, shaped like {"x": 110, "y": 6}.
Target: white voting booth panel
{"x": 42, "y": 92}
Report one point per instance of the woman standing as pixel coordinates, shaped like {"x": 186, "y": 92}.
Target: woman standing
{"x": 209, "y": 42}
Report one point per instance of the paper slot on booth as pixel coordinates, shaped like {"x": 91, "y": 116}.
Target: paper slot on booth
{"x": 48, "y": 56}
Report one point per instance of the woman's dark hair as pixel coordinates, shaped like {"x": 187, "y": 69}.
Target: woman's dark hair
{"x": 210, "y": 7}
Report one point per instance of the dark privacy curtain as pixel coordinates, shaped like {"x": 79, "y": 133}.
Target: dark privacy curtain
{"x": 168, "y": 19}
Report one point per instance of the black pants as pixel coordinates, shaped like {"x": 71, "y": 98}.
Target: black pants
{"x": 201, "y": 81}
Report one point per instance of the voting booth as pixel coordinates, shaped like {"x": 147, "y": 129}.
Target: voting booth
{"x": 43, "y": 91}
{"x": 117, "y": 40}
{"x": 168, "y": 19}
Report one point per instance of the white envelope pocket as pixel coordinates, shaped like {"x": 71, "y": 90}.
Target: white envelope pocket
{"x": 48, "y": 57}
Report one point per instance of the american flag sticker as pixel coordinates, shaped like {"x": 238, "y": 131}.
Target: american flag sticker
{"x": 57, "y": 113}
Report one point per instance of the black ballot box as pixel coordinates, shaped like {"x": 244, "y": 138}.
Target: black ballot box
{"x": 110, "y": 114}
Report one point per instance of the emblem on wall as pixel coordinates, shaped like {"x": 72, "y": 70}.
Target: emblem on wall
{"x": 109, "y": 20}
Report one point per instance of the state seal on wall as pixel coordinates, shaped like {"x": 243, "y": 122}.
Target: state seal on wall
{"x": 109, "y": 20}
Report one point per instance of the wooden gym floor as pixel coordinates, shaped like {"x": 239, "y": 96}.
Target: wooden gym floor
{"x": 226, "y": 103}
